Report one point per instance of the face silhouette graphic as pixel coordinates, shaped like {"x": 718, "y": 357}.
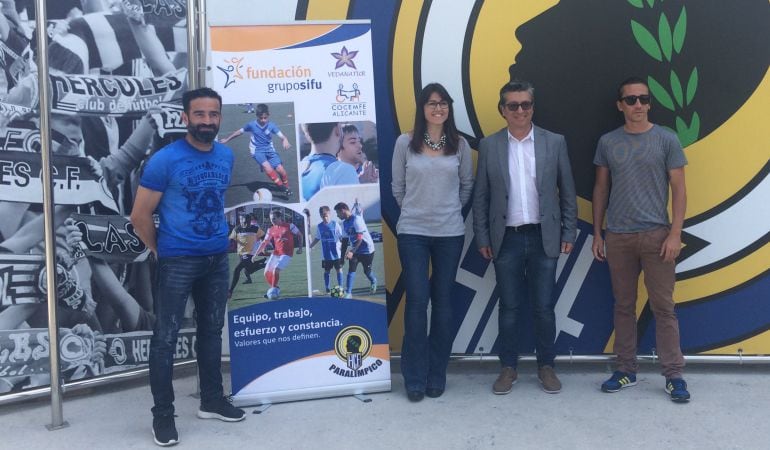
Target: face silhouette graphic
{"x": 577, "y": 53}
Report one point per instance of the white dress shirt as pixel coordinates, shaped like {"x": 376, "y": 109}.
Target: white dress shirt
{"x": 523, "y": 204}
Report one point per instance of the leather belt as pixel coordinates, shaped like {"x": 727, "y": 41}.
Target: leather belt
{"x": 527, "y": 227}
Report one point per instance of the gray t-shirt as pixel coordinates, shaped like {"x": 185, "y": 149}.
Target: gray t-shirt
{"x": 639, "y": 165}
{"x": 431, "y": 190}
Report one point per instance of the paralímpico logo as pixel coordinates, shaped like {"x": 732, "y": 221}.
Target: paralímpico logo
{"x": 353, "y": 345}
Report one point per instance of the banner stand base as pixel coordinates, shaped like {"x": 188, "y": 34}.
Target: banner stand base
{"x": 363, "y": 398}
{"x": 262, "y": 408}
{"x": 51, "y": 427}
{"x": 268, "y": 398}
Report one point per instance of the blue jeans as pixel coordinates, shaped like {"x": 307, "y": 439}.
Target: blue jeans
{"x": 205, "y": 277}
{"x": 424, "y": 357}
{"x": 522, "y": 268}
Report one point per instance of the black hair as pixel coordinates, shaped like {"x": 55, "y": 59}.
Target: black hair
{"x": 319, "y": 132}
{"x": 631, "y": 80}
{"x": 203, "y": 92}
{"x": 262, "y": 109}
{"x": 420, "y": 124}
{"x": 515, "y": 86}
{"x": 341, "y": 206}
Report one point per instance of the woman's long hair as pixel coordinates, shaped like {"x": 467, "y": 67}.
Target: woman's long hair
{"x": 420, "y": 124}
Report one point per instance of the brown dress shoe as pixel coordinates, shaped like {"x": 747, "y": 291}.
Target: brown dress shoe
{"x": 504, "y": 383}
{"x": 549, "y": 380}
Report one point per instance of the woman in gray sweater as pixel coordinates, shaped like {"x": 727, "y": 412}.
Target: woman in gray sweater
{"x": 432, "y": 180}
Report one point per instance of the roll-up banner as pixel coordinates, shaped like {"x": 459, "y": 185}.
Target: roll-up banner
{"x": 307, "y": 313}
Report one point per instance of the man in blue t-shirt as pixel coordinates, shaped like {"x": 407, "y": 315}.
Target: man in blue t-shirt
{"x": 329, "y": 233}
{"x": 261, "y": 146}
{"x": 185, "y": 184}
{"x": 360, "y": 247}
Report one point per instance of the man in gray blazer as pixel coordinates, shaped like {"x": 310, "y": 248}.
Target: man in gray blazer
{"x": 524, "y": 215}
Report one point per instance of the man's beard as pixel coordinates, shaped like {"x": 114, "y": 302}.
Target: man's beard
{"x": 203, "y": 133}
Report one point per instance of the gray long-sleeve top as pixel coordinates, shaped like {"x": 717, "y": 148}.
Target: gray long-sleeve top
{"x": 431, "y": 190}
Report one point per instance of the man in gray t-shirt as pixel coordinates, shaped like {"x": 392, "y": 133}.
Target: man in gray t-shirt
{"x": 635, "y": 165}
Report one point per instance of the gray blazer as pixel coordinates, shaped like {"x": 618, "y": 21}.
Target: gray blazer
{"x": 555, "y": 186}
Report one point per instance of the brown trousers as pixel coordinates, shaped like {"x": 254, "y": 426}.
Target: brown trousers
{"x": 629, "y": 254}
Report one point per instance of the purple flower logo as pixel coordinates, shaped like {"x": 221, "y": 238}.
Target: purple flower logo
{"x": 345, "y": 58}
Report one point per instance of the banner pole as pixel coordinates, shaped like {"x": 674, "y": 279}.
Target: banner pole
{"x": 57, "y": 415}
{"x": 200, "y": 50}
{"x": 192, "y": 53}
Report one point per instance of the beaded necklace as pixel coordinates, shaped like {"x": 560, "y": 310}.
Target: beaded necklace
{"x": 435, "y": 146}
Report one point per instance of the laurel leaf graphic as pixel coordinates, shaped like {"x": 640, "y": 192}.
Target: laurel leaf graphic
{"x": 680, "y": 30}
{"x": 676, "y": 89}
{"x": 660, "y": 93}
{"x": 692, "y": 85}
{"x": 636, "y": 3}
{"x": 646, "y": 40}
{"x": 664, "y": 36}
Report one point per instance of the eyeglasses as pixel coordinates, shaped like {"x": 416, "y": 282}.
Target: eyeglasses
{"x": 438, "y": 105}
{"x": 513, "y": 106}
{"x": 630, "y": 100}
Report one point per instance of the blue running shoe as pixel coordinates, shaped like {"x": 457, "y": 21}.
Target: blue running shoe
{"x": 677, "y": 389}
{"x": 618, "y": 381}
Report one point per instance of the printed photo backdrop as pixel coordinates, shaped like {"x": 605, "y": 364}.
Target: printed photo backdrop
{"x": 707, "y": 65}
{"x": 117, "y": 70}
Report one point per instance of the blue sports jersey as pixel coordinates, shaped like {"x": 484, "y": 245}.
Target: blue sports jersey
{"x": 352, "y": 227}
{"x": 191, "y": 210}
{"x": 329, "y": 235}
{"x": 261, "y": 137}
{"x": 315, "y": 165}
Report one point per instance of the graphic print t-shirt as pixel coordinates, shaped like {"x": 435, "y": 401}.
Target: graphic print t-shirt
{"x": 329, "y": 234}
{"x": 262, "y": 137}
{"x": 191, "y": 210}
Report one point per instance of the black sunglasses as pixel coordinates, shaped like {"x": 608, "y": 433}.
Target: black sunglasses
{"x": 630, "y": 100}
{"x": 513, "y": 106}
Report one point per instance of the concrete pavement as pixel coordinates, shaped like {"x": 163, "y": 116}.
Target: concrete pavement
{"x": 728, "y": 410}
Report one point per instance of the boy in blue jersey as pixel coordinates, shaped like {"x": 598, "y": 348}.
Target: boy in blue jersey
{"x": 325, "y": 142}
{"x": 261, "y": 146}
{"x": 185, "y": 183}
{"x": 360, "y": 247}
{"x": 329, "y": 233}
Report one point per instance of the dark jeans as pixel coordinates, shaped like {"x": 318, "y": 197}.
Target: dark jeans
{"x": 424, "y": 357}
{"x": 523, "y": 267}
{"x": 205, "y": 277}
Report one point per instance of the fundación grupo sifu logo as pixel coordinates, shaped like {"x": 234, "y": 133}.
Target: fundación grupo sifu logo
{"x": 232, "y": 70}
{"x": 353, "y": 345}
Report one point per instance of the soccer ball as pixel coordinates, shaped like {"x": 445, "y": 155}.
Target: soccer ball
{"x": 263, "y": 195}
{"x": 273, "y": 293}
{"x": 337, "y": 292}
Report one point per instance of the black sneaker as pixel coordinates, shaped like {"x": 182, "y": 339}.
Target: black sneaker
{"x": 221, "y": 409}
{"x": 164, "y": 431}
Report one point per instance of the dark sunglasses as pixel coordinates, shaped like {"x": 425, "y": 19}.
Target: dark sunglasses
{"x": 513, "y": 106}
{"x": 630, "y": 100}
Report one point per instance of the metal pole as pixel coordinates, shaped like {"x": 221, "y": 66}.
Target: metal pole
{"x": 192, "y": 51}
{"x": 57, "y": 415}
{"x": 202, "y": 54}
